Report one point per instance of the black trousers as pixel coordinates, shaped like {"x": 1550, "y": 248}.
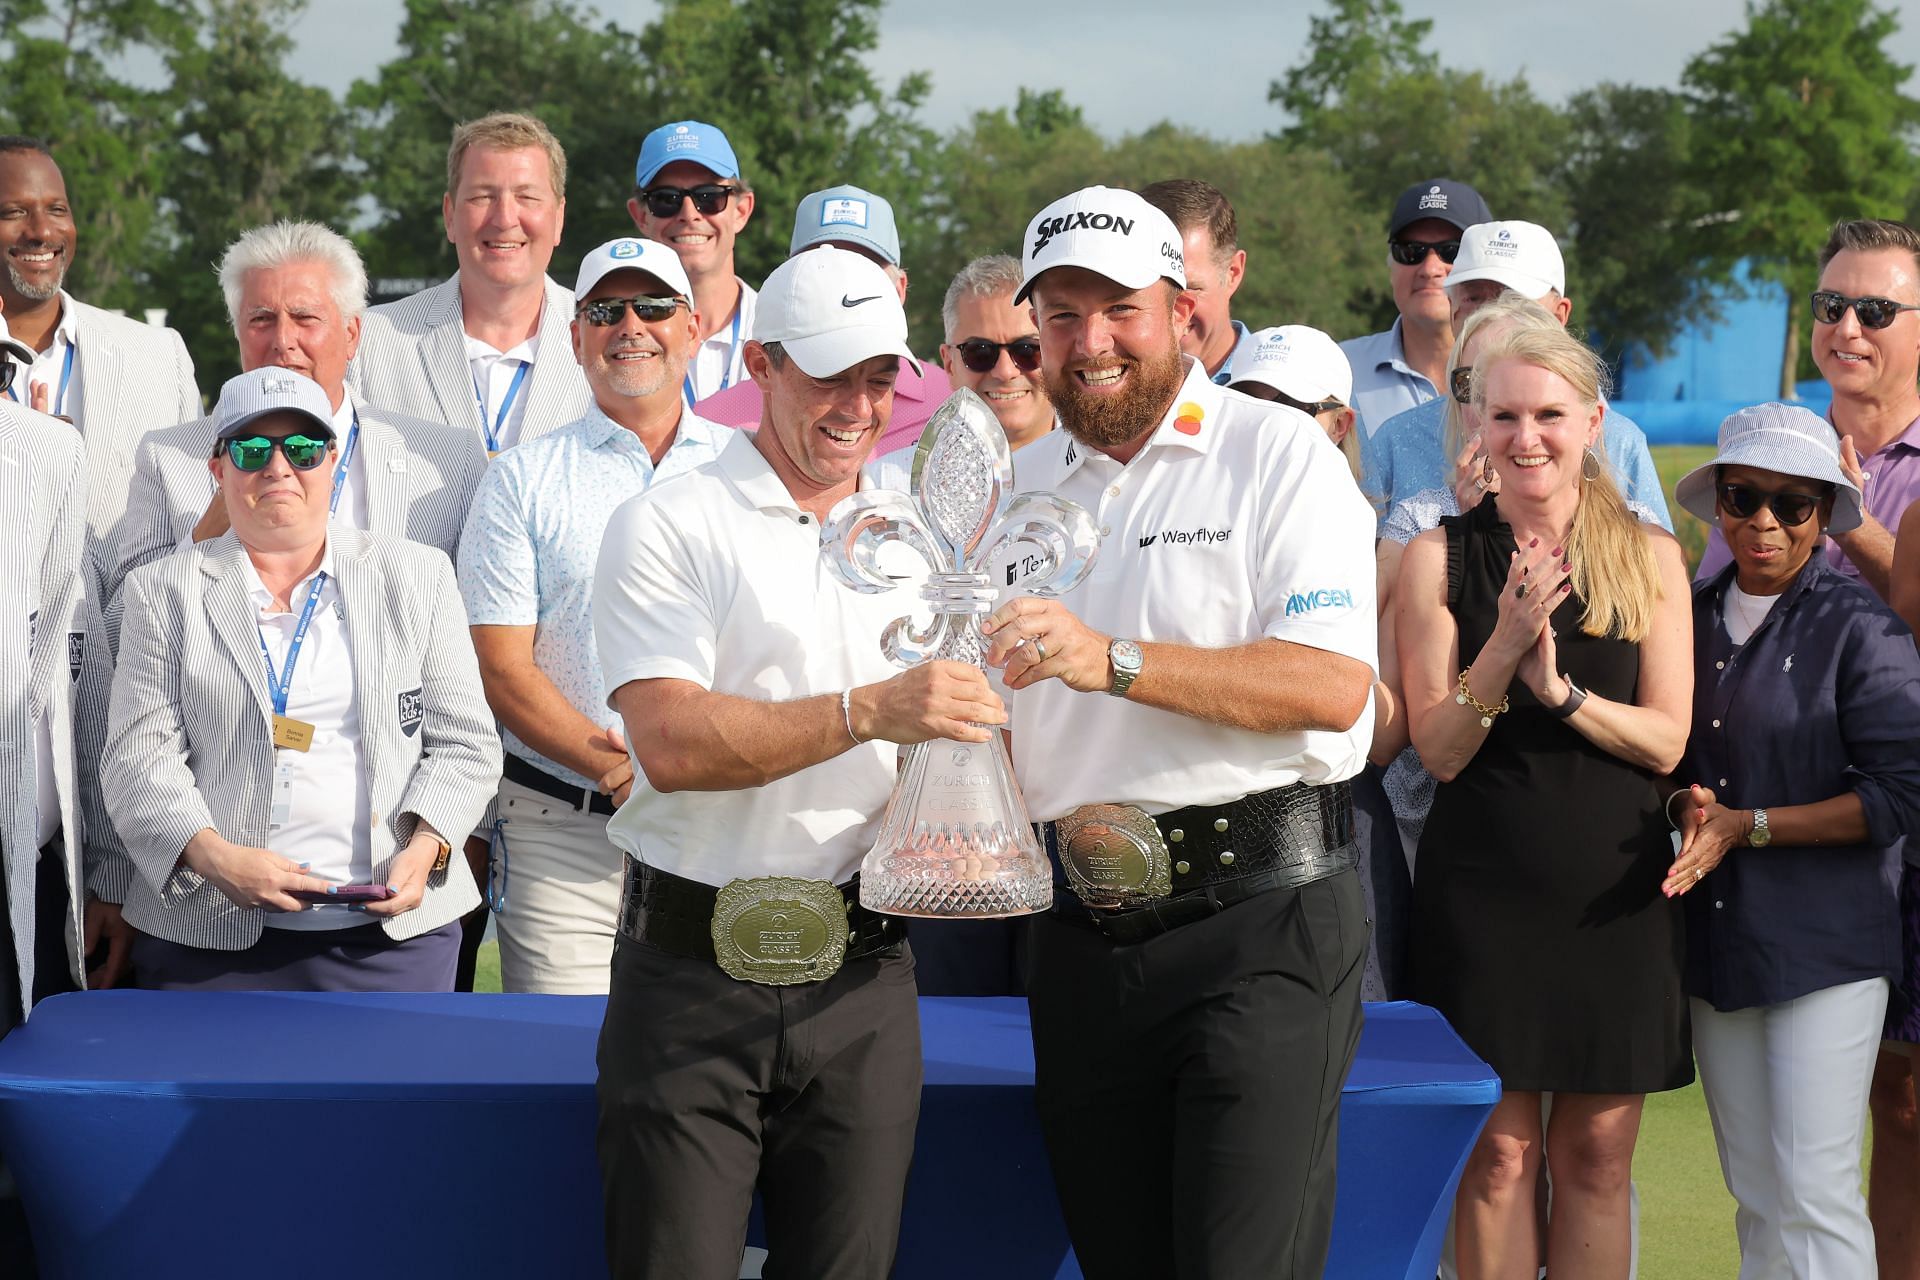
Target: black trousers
{"x": 710, "y": 1088}
{"x": 1189, "y": 1086}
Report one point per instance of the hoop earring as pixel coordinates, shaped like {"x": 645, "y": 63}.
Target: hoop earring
{"x": 1589, "y": 456}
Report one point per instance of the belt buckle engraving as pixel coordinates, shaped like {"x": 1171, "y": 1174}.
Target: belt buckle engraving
{"x": 1114, "y": 856}
{"x": 779, "y": 930}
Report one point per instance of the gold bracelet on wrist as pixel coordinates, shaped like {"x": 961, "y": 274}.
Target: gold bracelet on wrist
{"x": 1465, "y": 698}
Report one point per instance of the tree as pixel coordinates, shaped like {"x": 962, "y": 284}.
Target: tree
{"x": 255, "y": 147}
{"x": 1359, "y": 41}
{"x": 1799, "y": 121}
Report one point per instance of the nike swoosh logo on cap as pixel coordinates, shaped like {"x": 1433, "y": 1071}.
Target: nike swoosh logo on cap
{"x": 845, "y": 301}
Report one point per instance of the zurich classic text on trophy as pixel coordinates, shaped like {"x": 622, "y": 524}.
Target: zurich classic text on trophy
{"x": 956, "y": 840}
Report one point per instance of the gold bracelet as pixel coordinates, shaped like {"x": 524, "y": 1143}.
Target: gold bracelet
{"x": 1466, "y": 699}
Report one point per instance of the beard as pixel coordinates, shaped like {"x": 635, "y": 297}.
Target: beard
{"x": 34, "y": 291}
{"x": 1109, "y": 421}
{"x": 634, "y": 383}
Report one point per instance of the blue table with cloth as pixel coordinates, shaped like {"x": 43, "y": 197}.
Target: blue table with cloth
{"x": 250, "y": 1134}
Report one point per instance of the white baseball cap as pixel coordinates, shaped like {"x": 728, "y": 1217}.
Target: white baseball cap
{"x": 830, "y": 309}
{"x": 12, "y": 346}
{"x": 268, "y": 390}
{"x": 1522, "y": 256}
{"x": 1107, "y": 230}
{"x": 630, "y": 253}
{"x": 1296, "y": 360}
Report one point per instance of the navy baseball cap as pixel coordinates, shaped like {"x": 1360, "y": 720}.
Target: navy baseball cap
{"x": 1441, "y": 198}
{"x": 703, "y": 144}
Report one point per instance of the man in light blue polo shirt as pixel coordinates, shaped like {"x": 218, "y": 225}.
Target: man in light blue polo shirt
{"x": 1409, "y": 455}
{"x": 527, "y": 559}
{"x": 1404, "y": 366}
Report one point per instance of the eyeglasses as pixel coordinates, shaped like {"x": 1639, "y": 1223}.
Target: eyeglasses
{"x": 1411, "y": 253}
{"x": 1791, "y": 509}
{"x": 602, "y": 312}
{"x": 302, "y": 452}
{"x": 1874, "y": 313}
{"x": 980, "y": 355}
{"x": 1461, "y": 384}
{"x": 709, "y": 198}
{"x": 1312, "y": 409}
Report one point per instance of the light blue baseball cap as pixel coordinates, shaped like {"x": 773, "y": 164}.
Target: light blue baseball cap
{"x": 703, "y": 144}
{"x": 846, "y": 215}
{"x": 268, "y": 390}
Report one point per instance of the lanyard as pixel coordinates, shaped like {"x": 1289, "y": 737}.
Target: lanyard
{"x": 506, "y": 407}
{"x": 726, "y": 373}
{"x": 346, "y": 456}
{"x": 59, "y": 405}
{"x": 282, "y": 684}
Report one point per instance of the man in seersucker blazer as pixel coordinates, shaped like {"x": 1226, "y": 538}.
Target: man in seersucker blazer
{"x": 204, "y": 762}
{"x": 488, "y": 351}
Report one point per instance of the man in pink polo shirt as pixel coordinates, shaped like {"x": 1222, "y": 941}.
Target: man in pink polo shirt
{"x": 854, "y": 219}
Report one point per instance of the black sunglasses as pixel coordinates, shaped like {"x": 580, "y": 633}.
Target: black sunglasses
{"x": 1791, "y": 509}
{"x": 1874, "y": 313}
{"x": 1411, "y": 253}
{"x": 602, "y": 312}
{"x": 1312, "y": 409}
{"x": 7, "y": 369}
{"x": 302, "y": 452}
{"x": 709, "y": 198}
{"x": 980, "y": 355}
{"x": 1461, "y": 384}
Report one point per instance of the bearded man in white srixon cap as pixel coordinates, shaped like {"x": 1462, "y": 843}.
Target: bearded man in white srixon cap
{"x": 1205, "y": 692}
{"x": 762, "y": 717}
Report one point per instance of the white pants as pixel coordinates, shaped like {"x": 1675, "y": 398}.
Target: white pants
{"x": 1786, "y": 1089}
{"x": 563, "y": 895}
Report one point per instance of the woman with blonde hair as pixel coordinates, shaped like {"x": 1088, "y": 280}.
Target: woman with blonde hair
{"x": 1545, "y": 649}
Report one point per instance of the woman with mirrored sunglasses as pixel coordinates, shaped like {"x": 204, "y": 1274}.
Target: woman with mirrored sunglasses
{"x": 296, "y": 720}
{"x": 1800, "y": 777}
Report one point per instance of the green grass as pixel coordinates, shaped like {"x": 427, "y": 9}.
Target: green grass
{"x": 1674, "y": 461}
{"x": 486, "y": 968}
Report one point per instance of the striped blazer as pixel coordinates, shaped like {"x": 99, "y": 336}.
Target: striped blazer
{"x": 413, "y": 359}
{"x": 420, "y": 480}
{"x": 130, "y": 377}
{"x": 189, "y": 743}
{"x": 53, "y": 662}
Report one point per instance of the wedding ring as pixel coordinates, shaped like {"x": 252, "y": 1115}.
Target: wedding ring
{"x": 1039, "y": 648}
{"x": 1698, "y": 874}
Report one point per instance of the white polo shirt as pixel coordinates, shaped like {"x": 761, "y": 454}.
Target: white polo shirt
{"x": 1237, "y": 521}
{"x": 717, "y": 579}
{"x": 719, "y": 361}
{"x": 500, "y": 389}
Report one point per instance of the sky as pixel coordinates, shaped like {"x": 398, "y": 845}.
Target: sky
{"x": 1116, "y": 68}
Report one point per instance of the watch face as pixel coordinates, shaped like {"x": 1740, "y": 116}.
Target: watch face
{"x": 1126, "y": 655}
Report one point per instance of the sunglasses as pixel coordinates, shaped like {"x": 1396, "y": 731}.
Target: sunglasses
{"x": 602, "y": 312}
{"x": 302, "y": 452}
{"x": 980, "y": 355}
{"x": 1312, "y": 409}
{"x": 1461, "y": 384}
{"x": 1874, "y": 313}
{"x": 7, "y": 369}
{"x": 1411, "y": 253}
{"x": 1791, "y": 509}
{"x": 709, "y": 198}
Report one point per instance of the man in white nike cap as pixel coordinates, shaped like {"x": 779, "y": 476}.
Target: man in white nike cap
{"x": 762, "y": 719}
{"x": 1208, "y": 692}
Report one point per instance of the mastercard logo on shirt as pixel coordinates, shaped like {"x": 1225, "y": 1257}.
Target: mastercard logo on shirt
{"x": 1187, "y": 418}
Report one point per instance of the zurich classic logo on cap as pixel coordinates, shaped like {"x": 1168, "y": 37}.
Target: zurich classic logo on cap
{"x": 1434, "y": 199}
{"x": 278, "y": 386}
{"x": 624, "y": 249}
{"x": 683, "y": 139}
{"x": 843, "y": 211}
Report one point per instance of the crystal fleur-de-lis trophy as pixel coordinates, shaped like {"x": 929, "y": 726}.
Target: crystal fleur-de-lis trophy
{"x": 956, "y": 841}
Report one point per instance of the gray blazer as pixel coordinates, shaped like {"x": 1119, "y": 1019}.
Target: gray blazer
{"x": 52, "y": 661}
{"x": 129, "y": 378}
{"x": 420, "y": 479}
{"x": 190, "y": 745}
{"x": 413, "y": 358}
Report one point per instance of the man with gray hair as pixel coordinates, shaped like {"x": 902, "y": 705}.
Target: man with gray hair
{"x": 296, "y": 292}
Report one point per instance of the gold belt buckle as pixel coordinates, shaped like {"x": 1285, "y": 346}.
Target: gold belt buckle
{"x": 779, "y": 930}
{"x": 1114, "y": 856}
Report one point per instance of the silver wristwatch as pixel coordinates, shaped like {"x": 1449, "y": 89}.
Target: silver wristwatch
{"x": 1761, "y": 835}
{"x": 1126, "y": 658}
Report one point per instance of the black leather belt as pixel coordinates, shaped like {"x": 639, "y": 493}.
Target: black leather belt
{"x": 1225, "y": 854}
{"x": 535, "y": 778}
{"x": 675, "y": 914}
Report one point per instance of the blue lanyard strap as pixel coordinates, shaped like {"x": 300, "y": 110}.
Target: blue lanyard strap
{"x": 346, "y": 456}
{"x": 506, "y": 407}
{"x": 280, "y": 685}
{"x": 59, "y": 405}
{"x": 733, "y": 352}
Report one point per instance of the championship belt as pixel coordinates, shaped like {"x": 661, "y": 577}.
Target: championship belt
{"x": 779, "y": 930}
{"x": 1114, "y": 856}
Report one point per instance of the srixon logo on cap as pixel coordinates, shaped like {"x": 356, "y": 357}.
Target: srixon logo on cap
{"x": 1434, "y": 199}
{"x": 1084, "y": 220}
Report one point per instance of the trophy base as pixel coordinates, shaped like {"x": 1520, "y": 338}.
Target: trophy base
{"x": 951, "y": 889}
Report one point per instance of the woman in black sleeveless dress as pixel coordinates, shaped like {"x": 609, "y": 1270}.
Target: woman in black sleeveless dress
{"x": 1539, "y": 924}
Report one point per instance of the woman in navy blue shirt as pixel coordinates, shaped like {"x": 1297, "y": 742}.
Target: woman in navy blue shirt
{"x": 1802, "y": 772}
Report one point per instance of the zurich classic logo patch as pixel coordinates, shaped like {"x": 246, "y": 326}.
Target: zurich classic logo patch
{"x": 843, "y": 211}
{"x": 410, "y": 712}
{"x": 625, "y": 249}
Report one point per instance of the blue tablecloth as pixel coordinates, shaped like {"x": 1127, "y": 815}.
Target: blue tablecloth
{"x": 249, "y": 1135}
